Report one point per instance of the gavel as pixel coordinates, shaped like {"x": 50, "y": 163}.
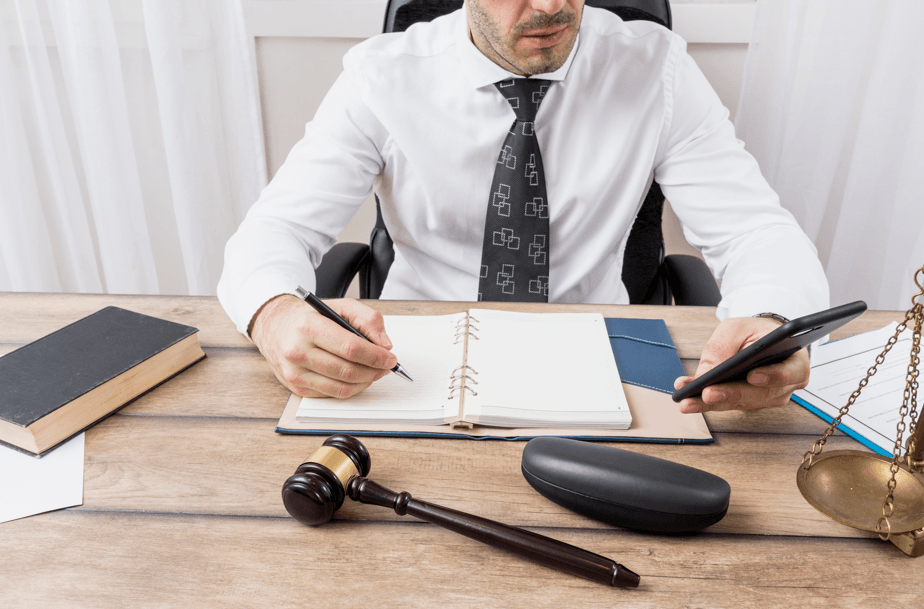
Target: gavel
{"x": 339, "y": 467}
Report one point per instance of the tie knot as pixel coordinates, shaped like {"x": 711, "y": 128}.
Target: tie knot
{"x": 524, "y": 95}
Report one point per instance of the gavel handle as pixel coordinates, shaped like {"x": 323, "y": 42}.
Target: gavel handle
{"x": 523, "y": 543}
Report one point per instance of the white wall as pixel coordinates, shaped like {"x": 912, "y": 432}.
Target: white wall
{"x": 299, "y": 45}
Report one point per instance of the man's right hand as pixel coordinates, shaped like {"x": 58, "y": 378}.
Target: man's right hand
{"x": 314, "y": 357}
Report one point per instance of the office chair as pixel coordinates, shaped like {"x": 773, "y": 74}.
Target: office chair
{"x": 650, "y": 277}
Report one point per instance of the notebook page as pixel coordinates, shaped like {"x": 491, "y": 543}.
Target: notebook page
{"x": 544, "y": 369}
{"x": 424, "y": 346}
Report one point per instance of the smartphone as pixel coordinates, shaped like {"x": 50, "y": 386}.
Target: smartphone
{"x": 774, "y": 347}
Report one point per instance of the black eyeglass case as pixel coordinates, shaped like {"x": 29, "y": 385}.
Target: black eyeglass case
{"x": 624, "y": 488}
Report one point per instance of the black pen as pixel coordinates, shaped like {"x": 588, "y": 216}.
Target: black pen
{"x": 330, "y": 314}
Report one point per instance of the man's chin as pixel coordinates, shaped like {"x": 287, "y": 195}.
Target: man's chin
{"x": 542, "y": 64}
{"x": 543, "y": 61}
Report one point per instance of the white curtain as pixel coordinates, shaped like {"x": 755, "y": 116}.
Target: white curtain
{"x": 832, "y": 106}
{"x": 130, "y": 143}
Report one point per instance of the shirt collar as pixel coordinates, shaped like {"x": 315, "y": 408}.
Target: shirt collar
{"x": 482, "y": 71}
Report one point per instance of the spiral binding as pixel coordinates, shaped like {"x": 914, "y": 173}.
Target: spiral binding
{"x": 464, "y": 328}
{"x": 460, "y": 368}
{"x": 460, "y": 377}
{"x": 460, "y": 380}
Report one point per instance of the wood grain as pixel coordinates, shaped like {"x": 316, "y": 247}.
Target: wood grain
{"x": 28, "y": 316}
{"x": 237, "y": 467}
{"x": 89, "y": 560}
{"x": 236, "y": 383}
{"x": 791, "y": 419}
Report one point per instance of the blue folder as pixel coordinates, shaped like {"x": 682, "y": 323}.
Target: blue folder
{"x": 645, "y": 353}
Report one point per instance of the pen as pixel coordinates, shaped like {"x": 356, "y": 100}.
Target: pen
{"x": 330, "y": 314}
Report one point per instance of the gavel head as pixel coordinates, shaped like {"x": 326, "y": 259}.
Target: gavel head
{"x": 317, "y": 488}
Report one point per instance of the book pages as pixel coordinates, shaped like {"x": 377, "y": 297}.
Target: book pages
{"x": 427, "y": 347}
{"x": 543, "y": 370}
{"x": 491, "y": 368}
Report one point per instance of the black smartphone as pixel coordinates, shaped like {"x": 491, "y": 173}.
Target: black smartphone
{"x": 774, "y": 347}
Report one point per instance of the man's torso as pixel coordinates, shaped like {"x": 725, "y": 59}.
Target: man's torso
{"x": 600, "y": 130}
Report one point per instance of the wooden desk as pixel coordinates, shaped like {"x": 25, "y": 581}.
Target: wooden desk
{"x": 182, "y": 503}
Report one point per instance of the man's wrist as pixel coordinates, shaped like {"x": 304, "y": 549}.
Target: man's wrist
{"x": 783, "y": 321}
{"x": 265, "y": 309}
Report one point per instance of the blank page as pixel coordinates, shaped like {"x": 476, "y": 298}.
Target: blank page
{"x": 424, "y": 346}
{"x": 544, "y": 370}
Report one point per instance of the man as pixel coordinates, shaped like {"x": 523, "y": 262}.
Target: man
{"x": 419, "y": 116}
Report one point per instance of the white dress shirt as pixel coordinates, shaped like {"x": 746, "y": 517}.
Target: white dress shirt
{"x": 416, "y": 116}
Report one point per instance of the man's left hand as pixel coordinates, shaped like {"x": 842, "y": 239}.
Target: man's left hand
{"x": 765, "y": 386}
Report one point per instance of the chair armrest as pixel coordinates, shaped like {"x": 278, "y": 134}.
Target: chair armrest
{"x": 690, "y": 280}
{"x": 338, "y": 267}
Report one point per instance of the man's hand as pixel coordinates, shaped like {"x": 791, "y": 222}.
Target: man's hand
{"x": 314, "y": 357}
{"x": 766, "y": 386}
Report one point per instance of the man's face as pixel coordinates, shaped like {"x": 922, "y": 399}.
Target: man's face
{"x": 525, "y": 36}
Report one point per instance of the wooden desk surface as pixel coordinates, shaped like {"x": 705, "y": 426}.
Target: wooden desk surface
{"x": 182, "y": 502}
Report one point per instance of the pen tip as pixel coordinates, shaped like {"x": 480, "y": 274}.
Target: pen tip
{"x": 400, "y": 371}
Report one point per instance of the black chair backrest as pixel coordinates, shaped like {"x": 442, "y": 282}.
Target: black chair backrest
{"x": 645, "y": 247}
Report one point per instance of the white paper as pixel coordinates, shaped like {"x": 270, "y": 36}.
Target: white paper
{"x": 31, "y": 486}
{"x": 539, "y": 370}
{"x": 838, "y": 367}
{"x": 573, "y": 381}
{"x": 427, "y": 347}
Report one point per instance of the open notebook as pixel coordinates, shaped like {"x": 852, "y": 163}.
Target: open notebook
{"x": 491, "y": 368}
{"x": 647, "y": 361}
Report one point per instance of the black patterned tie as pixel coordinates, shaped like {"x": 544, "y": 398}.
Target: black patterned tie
{"x": 515, "y": 253}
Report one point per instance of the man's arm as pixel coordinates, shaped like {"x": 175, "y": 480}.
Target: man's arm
{"x": 323, "y": 182}
{"x": 758, "y": 252}
{"x": 762, "y": 258}
{"x": 298, "y": 217}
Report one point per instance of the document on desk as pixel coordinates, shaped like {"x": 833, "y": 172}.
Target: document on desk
{"x": 838, "y": 367}
{"x": 647, "y": 363}
{"x": 33, "y": 486}
{"x": 492, "y": 368}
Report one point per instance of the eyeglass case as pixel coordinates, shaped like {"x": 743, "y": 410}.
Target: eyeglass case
{"x": 624, "y": 488}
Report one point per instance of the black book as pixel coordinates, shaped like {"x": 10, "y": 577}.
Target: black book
{"x": 63, "y": 383}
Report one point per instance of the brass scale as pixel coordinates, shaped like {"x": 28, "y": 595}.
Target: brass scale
{"x": 868, "y": 491}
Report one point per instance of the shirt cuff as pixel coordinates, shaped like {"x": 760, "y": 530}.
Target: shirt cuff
{"x": 256, "y": 292}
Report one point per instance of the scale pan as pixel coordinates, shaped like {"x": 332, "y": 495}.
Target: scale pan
{"x": 850, "y": 487}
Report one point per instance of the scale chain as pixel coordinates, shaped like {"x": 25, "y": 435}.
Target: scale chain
{"x": 913, "y": 460}
{"x": 819, "y": 444}
{"x": 909, "y": 406}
